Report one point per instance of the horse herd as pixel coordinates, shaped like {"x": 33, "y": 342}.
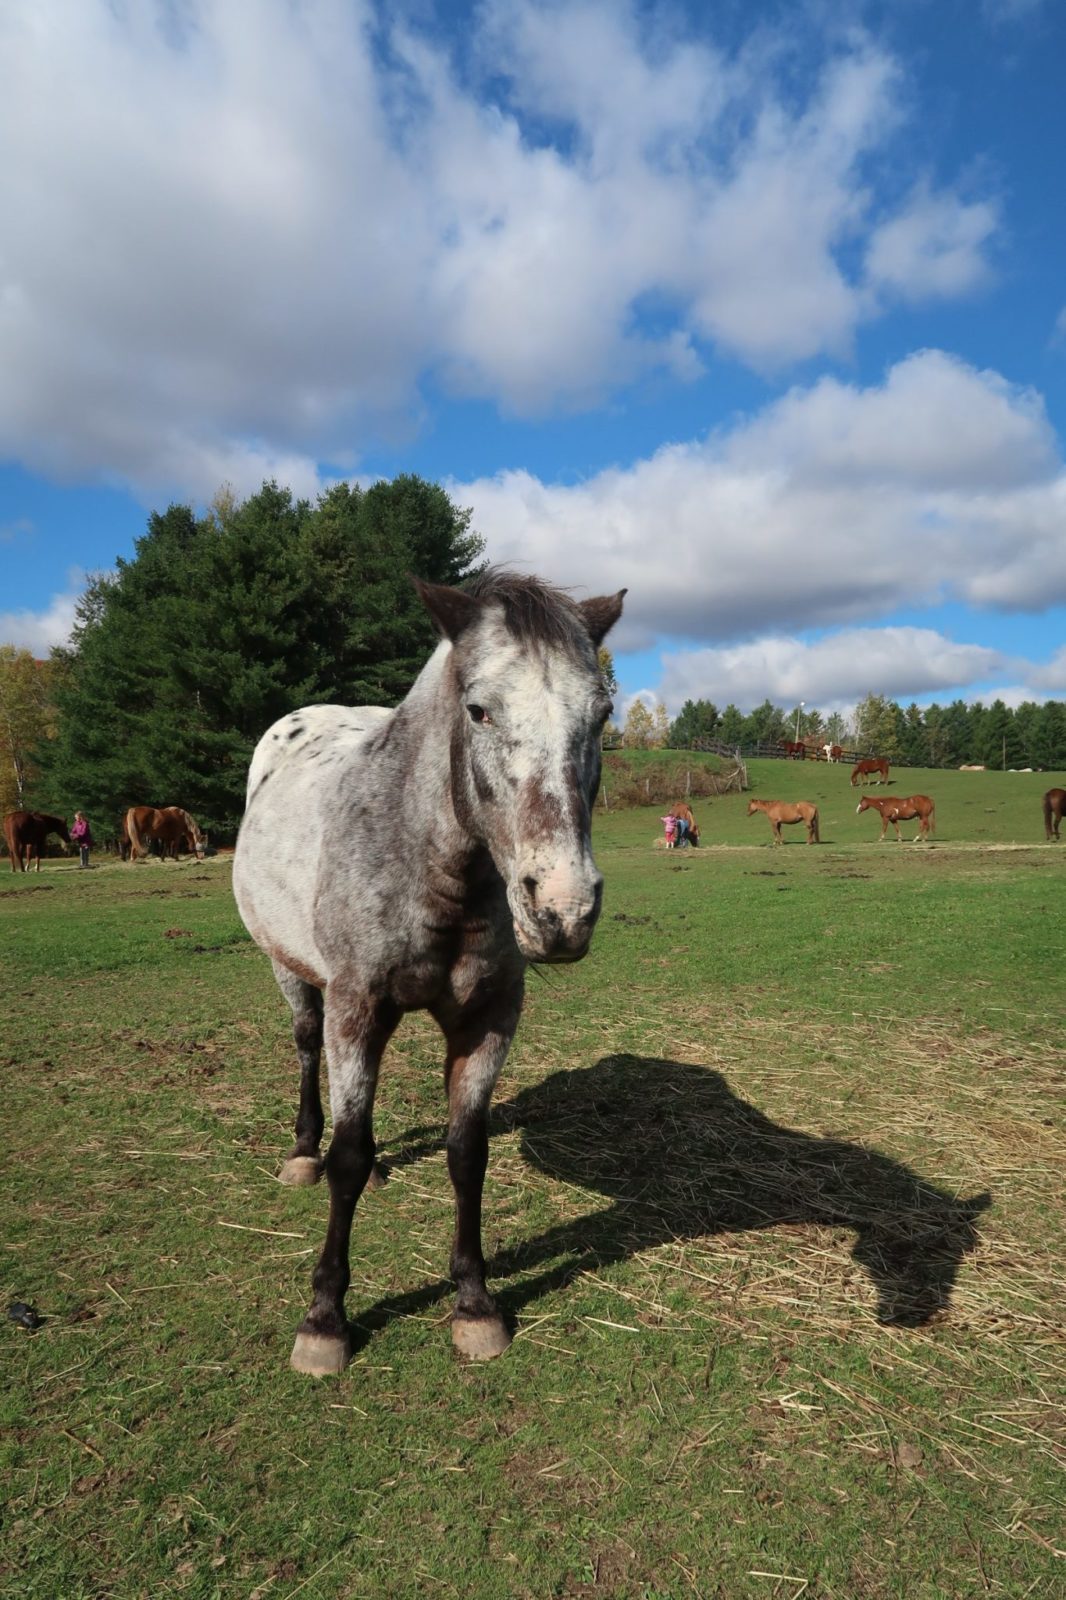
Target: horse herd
{"x": 141, "y": 827}
{"x": 916, "y": 807}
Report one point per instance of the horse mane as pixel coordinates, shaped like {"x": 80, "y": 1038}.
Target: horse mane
{"x": 534, "y": 611}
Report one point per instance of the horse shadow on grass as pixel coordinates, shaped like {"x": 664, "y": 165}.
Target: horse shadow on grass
{"x": 681, "y": 1157}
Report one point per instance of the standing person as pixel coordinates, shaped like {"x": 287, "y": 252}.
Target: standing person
{"x": 81, "y": 835}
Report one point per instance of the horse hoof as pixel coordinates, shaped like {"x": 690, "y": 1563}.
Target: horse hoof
{"x": 298, "y": 1171}
{"x": 320, "y": 1354}
{"x": 480, "y": 1338}
{"x": 378, "y": 1177}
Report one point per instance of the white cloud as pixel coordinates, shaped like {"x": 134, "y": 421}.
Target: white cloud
{"x": 934, "y": 248}
{"x": 830, "y": 673}
{"x": 834, "y": 504}
{"x": 241, "y": 249}
{"x": 1051, "y": 676}
{"x": 38, "y": 631}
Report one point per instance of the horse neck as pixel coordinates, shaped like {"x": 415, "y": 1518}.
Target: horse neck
{"x": 414, "y": 758}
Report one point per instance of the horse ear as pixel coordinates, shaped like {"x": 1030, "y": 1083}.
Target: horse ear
{"x": 602, "y": 613}
{"x": 451, "y": 609}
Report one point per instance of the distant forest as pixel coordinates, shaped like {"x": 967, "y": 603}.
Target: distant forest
{"x": 1031, "y": 735}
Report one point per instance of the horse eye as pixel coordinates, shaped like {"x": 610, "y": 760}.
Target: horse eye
{"x": 478, "y": 714}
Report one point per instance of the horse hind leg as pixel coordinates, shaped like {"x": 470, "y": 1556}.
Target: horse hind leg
{"x": 303, "y": 1165}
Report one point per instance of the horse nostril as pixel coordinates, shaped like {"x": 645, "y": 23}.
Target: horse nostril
{"x": 530, "y": 886}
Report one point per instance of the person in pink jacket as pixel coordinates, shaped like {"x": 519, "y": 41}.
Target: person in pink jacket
{"x": 81, "y": 835}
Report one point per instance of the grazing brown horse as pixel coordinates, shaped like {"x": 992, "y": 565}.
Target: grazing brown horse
{"x": 866, "y": 769}
{"x": 25, "y": 833}
{"x": 795, "y": 750}
{"x": 683, "y": 811}
{"x": 917, "y": 807}
{"x": 1054, "y": 811}
{"x": 171, "y": 827}
{"x": 780, "y": 811}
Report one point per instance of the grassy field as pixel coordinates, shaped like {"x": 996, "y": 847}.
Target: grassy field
{"x": 775, "y": 1200}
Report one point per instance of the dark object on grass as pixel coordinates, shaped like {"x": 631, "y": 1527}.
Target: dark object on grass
{"x": 24, "y": 1315}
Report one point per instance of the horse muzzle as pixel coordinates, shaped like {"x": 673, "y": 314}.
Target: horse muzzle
{"x": 550, "y": 930}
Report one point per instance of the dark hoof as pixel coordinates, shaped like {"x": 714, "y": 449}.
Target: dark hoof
{"x": 379, "y": 1177}
{"x": 298, "y": 1171}
{"x": 480, "y": 1338}
{"x": 322, "y": 1355}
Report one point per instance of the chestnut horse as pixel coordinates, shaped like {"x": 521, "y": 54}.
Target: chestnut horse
{"x": 833, "y": 752}
{"x": 780, "y": 811}
{"x": 866, "y": 769}
{"x": 25, "y": 833}
{"x": 1054, "y": 811}
{"x": 171, "y": 827}
{"x": 795, "y": 750}
{"x": 496, "y": 751}
{"x": 917, "y": 807}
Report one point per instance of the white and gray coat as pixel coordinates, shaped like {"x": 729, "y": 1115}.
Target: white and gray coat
{"x": 419, "y": 859}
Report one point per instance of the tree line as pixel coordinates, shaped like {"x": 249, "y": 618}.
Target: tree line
{"x": 995, "y": 735}
{"x": 219, "y": 624}
{"x": 223, "y": 621}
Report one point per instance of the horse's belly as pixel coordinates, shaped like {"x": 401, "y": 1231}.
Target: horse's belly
{"x": 274, "y": 872}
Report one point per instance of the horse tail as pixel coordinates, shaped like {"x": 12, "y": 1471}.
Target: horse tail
{"x": 137, "y": 846}
{"x": 1047, "y": 813}
{"x": 932, "y": 818}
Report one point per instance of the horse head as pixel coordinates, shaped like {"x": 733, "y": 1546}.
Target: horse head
{"x": 865, "y": 804}
{"x": 528, "y": 709}
{"x": 196, "y": 837}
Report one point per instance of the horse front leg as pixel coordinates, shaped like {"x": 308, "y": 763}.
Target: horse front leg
{"x": 356, "y": 1032}
{"x": 477, "y": 1046}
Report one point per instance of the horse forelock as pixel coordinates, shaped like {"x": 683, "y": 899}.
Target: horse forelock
{"x": 534, "y": 612}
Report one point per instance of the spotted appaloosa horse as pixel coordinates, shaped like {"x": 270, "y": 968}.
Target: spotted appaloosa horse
{"x": 833, "y": 753}
{"x": 25, "y": 833}
{"x": 1054, "y": 811}
{"x": 866, "y": 769}
{"x": 916, "y": 807}
{"x": 496, "y": 752}
{"x": 780, "y": 811}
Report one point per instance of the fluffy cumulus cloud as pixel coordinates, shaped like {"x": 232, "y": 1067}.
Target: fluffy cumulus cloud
{"x": 242, "y": 250}
{"x": 902, "y": 663}
{"x": 833, "y": 505}
{"x": 39, "y": 631}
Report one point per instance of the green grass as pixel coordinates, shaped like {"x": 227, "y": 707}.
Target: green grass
{"x": 789, "y": 1091}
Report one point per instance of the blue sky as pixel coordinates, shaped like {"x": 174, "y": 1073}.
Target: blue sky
{"x": 759, "y": 309}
